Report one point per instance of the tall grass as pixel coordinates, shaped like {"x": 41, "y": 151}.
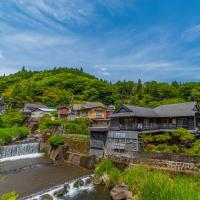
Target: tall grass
{"x": 7, "y": 135}
{"x": 153, "y": 185}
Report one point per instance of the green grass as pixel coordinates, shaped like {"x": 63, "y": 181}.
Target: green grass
{"x": 152, "y": 184}
{"x": 56, "y": 140}
{"x": 7, "y": 135}
{"x": 9, "y": 196}
{"x": 77, "y": 136}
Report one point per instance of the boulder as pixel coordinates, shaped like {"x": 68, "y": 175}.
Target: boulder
{"x": 120, "y": 192}
{"x": 46, "y": 197}
{"x": 62, "y": 191}
{"x": 78, "y": 183}
{"x": 104, "y": 179}
{"x": 88, "y": 180}
{"x": 57, "y": 154}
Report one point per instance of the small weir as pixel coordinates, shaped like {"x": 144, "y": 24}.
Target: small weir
{"x": 14, "y": 152}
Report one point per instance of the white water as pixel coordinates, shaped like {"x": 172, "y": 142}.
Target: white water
{"x": 18, "y": 150}
{"x": 28, "y": 156}
{"x": 71, "y": 193}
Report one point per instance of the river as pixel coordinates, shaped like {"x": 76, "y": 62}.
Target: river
{"x": 35, "y": 173}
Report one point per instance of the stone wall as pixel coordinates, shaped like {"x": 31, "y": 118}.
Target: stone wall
{"x": 159, "y": 161}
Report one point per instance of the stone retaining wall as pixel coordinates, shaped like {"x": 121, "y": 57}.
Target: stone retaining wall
{"x": 160, "y": 161}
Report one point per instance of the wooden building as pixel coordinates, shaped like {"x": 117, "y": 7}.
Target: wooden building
{"x": 92, "y": 112}
{"x": 128, "y": 122}
{"x": 64, "y": 112}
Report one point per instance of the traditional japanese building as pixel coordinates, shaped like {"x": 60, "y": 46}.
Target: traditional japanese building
{"x": 128, "y": 122}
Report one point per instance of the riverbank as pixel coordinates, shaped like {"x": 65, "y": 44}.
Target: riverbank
{"x": 141, "y": 183}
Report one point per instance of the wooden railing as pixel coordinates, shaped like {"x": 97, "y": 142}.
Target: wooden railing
{"x": 149, "y": 126}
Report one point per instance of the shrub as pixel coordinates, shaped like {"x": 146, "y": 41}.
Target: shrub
{"x": 147, "y": 138}
{"x": 162, "y": 137}
{"x": 9, "y": 196}
{"x": 56, "y": 140}
{"x": 13, "y": 118}
{"x": 196, "y": 148}
{"x": 103, "y": 167}
{"x": 182, "y": 134}
{"x": 163, "y": 148}
{"x": 47, "y": 124}
{"x": 5, "y": 139}
{"x": 77, "y": 126}
{"x": 7, "y": 135}
{"x": 175, "y": 149}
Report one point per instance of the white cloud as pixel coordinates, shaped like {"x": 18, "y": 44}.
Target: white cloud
{"x": 62, "y": 10}
{"x": 191, "y": 33}
{"x": 1, "y": 55}
{"x": 102, "y": 70}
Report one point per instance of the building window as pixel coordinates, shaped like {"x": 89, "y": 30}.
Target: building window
{"x": 85, "y": 113}
{"x": 98, "y": 113}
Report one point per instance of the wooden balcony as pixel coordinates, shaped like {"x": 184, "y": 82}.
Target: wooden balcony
{"x": 141, "y": 127}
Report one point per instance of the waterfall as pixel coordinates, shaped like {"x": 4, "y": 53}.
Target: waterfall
{"x": 18, "y": 150}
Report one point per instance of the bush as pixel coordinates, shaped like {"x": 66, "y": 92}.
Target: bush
{"x": 162, "y": 137}
{"x": 181, "y": 134}
{"x": 56, "y": 140}
{"x": 47, "y": 124}
{"x": 77, "y": 126}
{"x": 196, "y": 148}
{"x": 12, "y": 118}
{"x": 9, "y": 196}
{"x": 175, "y": 149}
{"x": 163, "y": 148}
{"x": 103, "y": 167}
{"x": 7, "y": 135}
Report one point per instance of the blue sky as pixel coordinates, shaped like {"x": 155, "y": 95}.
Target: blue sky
{"x": 112, "y": 39}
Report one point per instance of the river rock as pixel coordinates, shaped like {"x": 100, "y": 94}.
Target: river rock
{"x": 121, "y": 192}
{"x": 57, "y": 154}
{"x": 78, "y": 183}
{"x": 88, "y": 180}
{"x": 46, "y": 197}
{"x": 104, "y": 179}
{"x": 62, "y": 191}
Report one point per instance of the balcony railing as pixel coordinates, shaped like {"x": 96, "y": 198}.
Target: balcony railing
{"x": 149, "y": 126}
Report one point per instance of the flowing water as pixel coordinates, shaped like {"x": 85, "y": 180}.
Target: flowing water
{"x": 30, "y": 173}
{"x": 18, "y": 150}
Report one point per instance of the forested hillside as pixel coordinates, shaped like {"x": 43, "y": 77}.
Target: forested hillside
{"x": 64, "y": 86}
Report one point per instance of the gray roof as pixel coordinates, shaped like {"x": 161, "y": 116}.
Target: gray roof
{"x": 172, "y": 110}
{"x": 28, "y": 107}
{"x": 142, "y": 112}
{"x": 86, "y": 105}
{"x": 176, "y": 110}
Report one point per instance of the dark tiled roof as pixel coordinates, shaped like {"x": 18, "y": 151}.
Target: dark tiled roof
{"x": 33, "y": 106}
{"x": 172, "y": 110}
{"x": 176, "y": 110}
{"x": 142, "y": 112}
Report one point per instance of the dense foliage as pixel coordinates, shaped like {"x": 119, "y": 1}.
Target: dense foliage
{"x": 9, "y": 196}
{"x": 8, "y": 135}
{"x": 63, "y": 86}
{"x": 12, "y": 118}
{"x": 148, "y": 184}
{"x": 56, "y": 140}
{"x": 178, "y": 141}
{"x": 77, "y": 126}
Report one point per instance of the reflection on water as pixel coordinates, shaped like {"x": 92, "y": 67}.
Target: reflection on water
{"x": 28, "y": 176}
